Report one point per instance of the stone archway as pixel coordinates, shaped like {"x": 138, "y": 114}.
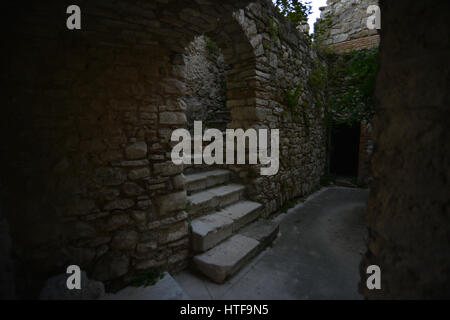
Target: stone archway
{"x": 94, "y": 136}
{"x": 90, "y": 115}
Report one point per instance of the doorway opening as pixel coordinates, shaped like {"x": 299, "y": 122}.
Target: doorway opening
{"x": 344, "y": 151}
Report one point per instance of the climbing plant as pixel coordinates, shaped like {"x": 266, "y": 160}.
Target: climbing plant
{"x": 274, "y": 30}
{"x": 295, "y": 10}
{"x": 148, "y": 278}
{"x": 351, "y": 85}
{"x": 212, "y": 47}
{"x": 321, "y": 29}
{"x": 298, "y": 111}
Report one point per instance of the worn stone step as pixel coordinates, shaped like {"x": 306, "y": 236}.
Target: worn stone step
{"x": 207, "y": 179}
{"x": 264, "y": 231}
{"x": 214, "y": 199}
{"x": 196, "y": 168}
{"x": 165, "y": 289}
{"x": 224, "y": 260}
{"x": 212, "y": 229}
{"x": 227, "y": 258}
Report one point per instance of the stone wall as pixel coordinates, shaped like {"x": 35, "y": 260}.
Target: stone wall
{"x": 343, "y": 25}
{"x": 346, "y": 25}
{"x": 284, "y": 62}
{"x": 365, "y": 153}
{"x": 89, "y": 115}
{"x": 408, "y": 215}
{"x": 206, "y": 85}
{"x": 7, "y": 285}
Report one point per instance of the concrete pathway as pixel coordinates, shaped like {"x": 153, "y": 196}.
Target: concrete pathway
{"x": 316, "y": 255}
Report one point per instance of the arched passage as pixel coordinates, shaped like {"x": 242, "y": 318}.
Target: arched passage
{"x": 94, "y": 109}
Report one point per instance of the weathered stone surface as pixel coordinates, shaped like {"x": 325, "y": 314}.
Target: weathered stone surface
{"x": 218, "y": 197}
{"x": 408, "y": 212}
{"x": 115, "y": 222}
{"x": 125, "y": 240}
{"x": 138, "y": 174}
{"x": 146, "y": 247}
{"x": 175, "y": 232}
{"x": 202, "y": 180}
{"x": 111, "y": 266}
{"x": 167, "y": 169}
{"x": 110, "y": 176}
{"x": 171, "y": 203}
{"x": 209, "y": 231}
{"x": 132, "y": 189}
{"x": 227, "y": 258}
{"x": 172, "y": 118}
{"x": 179, "y": 182}
{"x": 263, "y": 231}
{"x": 139, "y": 216}
{"x": 242, "y": 213}
{"x": 55, "y": 288}
{"x": 165, "y": 289}
{"x": 345, "y": 25}
{"x": 136, "y": 151}
{"x": 120, "y": 204}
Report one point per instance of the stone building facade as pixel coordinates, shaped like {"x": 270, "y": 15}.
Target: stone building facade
{"x": 344, "y": 27}
{"x": 90, "y": 114}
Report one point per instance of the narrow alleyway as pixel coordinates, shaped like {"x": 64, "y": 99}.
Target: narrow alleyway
{"x": 316, "y": 255}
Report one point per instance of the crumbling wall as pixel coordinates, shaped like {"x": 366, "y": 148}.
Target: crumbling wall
{"x": 344, "y": 25}
{"x": 206, "y": 85}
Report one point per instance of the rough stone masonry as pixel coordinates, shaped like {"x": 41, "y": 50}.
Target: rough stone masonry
{"x": 89, "y": 115}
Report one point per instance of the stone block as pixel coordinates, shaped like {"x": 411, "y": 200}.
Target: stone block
{"x": 171, "y": 203}
{"x": 136, "y": 151}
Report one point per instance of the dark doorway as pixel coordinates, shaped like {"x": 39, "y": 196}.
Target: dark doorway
{"x": 344, "y": 151}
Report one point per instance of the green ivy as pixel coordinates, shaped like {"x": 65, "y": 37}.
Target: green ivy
{"x": 188, "y": 206}
{"x": 352, "y": 82}
{"x": 291, "y": 103}
{"x": 149, "y": 278}
{"x": 212, "y": 47}
{"x": 321, "y": 29}
{"x": 274, "y": 30}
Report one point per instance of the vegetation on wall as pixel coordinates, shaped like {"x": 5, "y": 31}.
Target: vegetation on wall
{"x": 148, "y": 278}
{"x": 274, "y": 30}
{"x": 295, "y": 10}
{"x": 297, "y": 110}
{"x": 321, "y": 29}
{"x": 351, "y": 85}
{"x": 212, "y": 47}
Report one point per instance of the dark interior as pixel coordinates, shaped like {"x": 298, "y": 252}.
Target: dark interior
{"x": 344, "y": 150}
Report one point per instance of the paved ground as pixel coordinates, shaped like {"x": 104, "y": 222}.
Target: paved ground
{"x": 316, "y": 255}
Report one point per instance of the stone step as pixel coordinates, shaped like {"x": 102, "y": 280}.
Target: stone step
{"x": 212, "y": 229}
{"x": 196, "y": 168}
{"x": 214, "y": 199}
{"x": 227, "y": 258}
{"x": 165, "y": 289}
{"x": 207, "y": 179}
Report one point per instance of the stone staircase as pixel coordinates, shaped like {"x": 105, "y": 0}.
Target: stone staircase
{"x": 227, "y": 231}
